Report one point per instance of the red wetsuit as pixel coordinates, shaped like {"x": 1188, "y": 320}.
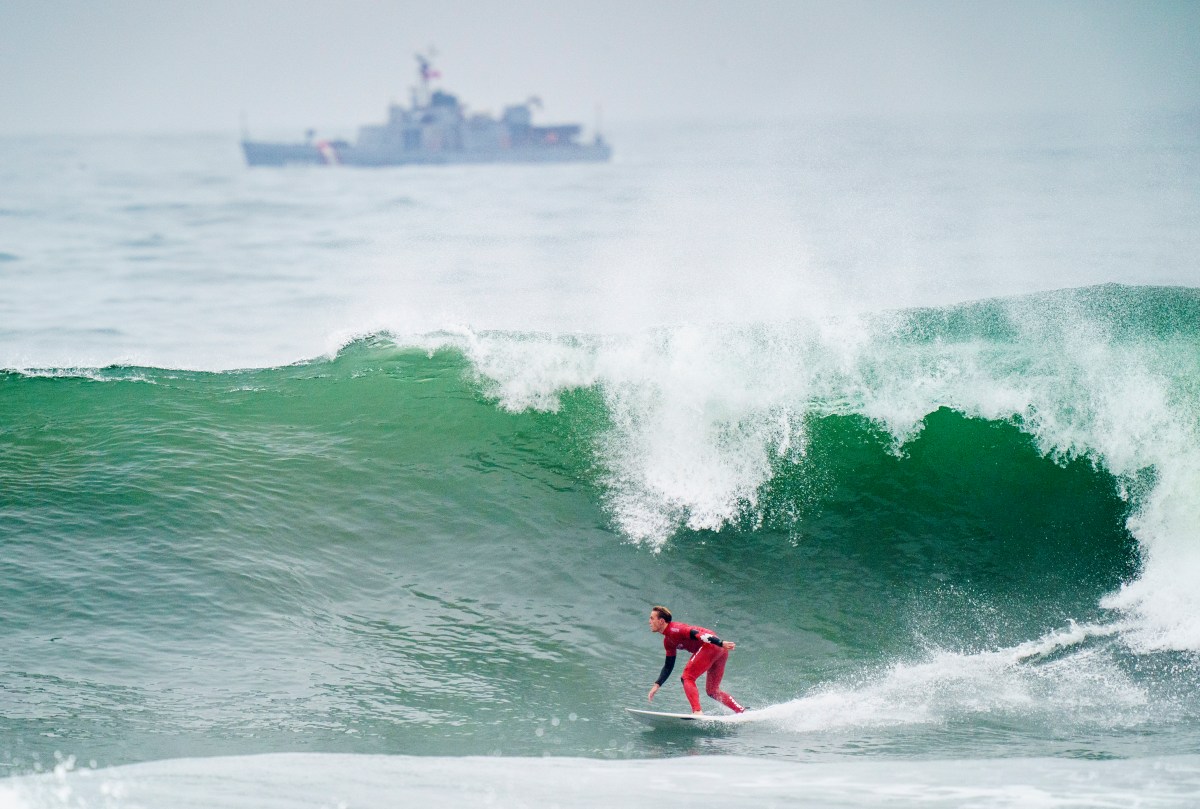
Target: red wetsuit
{"x": 708, "y": 655}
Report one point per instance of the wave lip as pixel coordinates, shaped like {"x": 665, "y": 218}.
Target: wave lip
{"x": 702, "y": 419}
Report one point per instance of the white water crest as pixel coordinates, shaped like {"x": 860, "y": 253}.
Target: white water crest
{"x": 700, "y": 417}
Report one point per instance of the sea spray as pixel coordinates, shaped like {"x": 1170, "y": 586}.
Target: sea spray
{"x": 701, "y": 419}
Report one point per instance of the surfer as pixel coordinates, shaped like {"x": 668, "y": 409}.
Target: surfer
{"x": 709, "y": 654}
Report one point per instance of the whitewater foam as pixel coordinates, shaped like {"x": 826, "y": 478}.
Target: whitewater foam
{"x": 329, "y": 780}
{"x": 700, "y": 418}
{"x": 1081, "y": 686}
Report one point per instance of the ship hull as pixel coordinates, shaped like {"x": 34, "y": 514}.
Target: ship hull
{"x": 261, "y": 153}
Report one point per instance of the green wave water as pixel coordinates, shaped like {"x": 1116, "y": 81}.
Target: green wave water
{"x": 940, "y": 533}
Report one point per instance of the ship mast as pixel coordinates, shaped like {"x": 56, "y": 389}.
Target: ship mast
{"x": 426, "y": 72}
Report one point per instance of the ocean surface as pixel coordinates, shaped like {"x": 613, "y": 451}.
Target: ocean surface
{"x": 353, "y": 488}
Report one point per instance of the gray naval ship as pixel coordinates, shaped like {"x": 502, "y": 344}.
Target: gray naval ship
{"x": 436, "y": 129}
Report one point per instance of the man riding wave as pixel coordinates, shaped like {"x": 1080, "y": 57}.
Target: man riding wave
{"x": 709, "y": 654}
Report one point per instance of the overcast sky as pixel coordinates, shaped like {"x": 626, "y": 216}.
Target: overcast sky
{"x": 170, "y": 65}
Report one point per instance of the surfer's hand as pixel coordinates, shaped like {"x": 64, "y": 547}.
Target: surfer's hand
{"x": 653, "y": 691}
{"x": 729, "y": 645}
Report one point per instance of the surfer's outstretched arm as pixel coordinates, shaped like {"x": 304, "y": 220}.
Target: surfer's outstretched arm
{"x": 668, "y": 665}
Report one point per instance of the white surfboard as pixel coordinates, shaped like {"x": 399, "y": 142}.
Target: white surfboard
{"x": 658, "y": 719}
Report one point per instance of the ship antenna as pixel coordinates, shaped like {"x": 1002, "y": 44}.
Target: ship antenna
{"x": 423, "y": 76}
{"x": 426, "y": 71}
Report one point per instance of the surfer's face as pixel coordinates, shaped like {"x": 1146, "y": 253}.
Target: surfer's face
{"x": 657, "y": 624}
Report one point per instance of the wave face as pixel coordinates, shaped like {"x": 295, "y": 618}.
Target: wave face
{"x": 953, "y": 532}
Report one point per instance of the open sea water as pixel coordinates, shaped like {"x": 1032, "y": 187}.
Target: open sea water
{"x": 324, "y": 487}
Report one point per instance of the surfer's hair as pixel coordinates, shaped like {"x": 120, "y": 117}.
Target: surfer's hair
{"x": 663, "y": 612}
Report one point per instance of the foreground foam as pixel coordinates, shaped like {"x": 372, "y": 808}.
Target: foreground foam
{"x": 307, "y": 780}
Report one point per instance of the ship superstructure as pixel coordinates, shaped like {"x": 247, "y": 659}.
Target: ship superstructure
{"x": 437, "y": 128}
